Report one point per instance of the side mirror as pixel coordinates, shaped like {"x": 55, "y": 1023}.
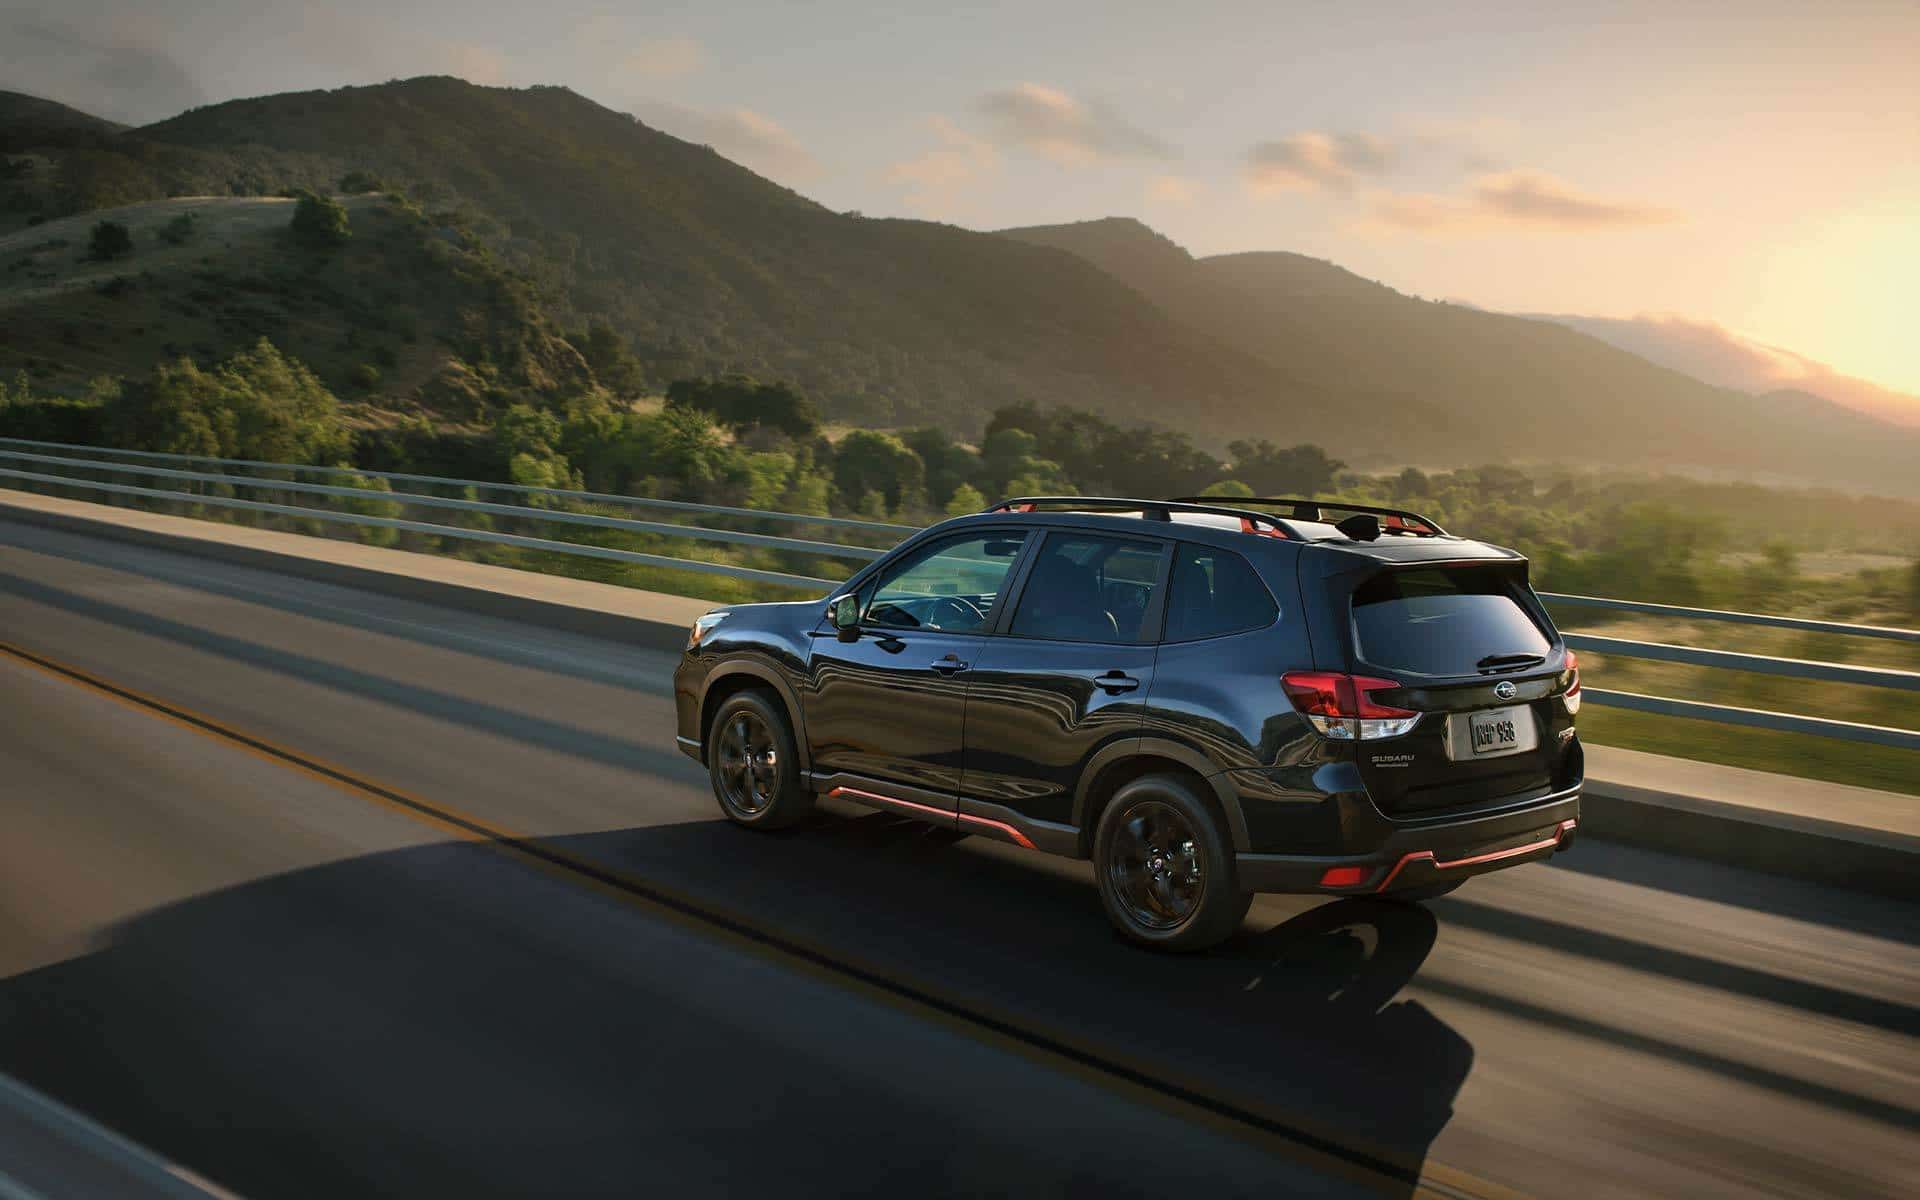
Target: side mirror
{"x": 844, "y": 612}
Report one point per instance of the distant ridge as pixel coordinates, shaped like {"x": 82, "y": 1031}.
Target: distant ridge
{"x": 1464, "y": 381}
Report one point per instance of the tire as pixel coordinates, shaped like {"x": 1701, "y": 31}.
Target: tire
{"x": 1165, "y": 867}
{"x": 1431, "y": 891}
{"x": 760, "y": 789}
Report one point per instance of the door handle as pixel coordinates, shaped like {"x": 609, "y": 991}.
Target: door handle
{"x": 1115, "y": 682}
{"x": 949, "y": 665}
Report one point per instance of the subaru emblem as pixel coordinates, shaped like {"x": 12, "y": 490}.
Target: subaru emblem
{"x": 1505, "y": 690}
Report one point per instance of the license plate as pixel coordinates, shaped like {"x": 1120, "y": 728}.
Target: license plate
{"x": 1500, "y": 731}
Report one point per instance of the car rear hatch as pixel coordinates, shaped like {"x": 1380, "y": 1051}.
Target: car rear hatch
{"x": 1466, "y": 652}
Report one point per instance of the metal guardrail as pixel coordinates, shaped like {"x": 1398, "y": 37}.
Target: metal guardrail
{"x": 883, "y": 527}
{"x": 1733, "y": 618}
{"x": 75, "y": 459}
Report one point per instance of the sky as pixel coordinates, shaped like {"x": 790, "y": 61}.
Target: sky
{"x": 1747, "y": 168}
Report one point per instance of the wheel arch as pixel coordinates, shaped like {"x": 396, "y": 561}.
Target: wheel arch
{"x": 1117, "y": 765}
{"x": 730, "y": 678}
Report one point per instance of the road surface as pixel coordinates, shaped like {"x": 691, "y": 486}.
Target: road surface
{"x": 317, "y": 892}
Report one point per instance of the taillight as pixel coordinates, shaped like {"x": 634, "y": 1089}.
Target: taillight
{"x": 1571, "y": 697}
{"x": 1342, "y": 706}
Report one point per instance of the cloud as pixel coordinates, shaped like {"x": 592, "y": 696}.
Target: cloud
{"x": 936, "y": 180}
{"x": 119, "y": 74}
{"x": 663, "y": 58}
{"x": 752, "y": 139}
{"x": 1514, "y": 200}
{"x": 1072, "y": 132}
{"x": 1716, "y": 354}
{"x": 1318, "y": 161}
{"x": 1176, "y": 191}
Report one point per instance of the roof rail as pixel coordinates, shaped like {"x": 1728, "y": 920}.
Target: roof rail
{"x": 1153, "y": 510}
{"x": 1308, "y": 509}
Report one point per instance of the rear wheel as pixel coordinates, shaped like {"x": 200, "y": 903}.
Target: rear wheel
{"x": 751, "y": 761}
{"x": 1165, "y": 867}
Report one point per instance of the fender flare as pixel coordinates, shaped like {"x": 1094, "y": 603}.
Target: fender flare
{"x": 1186, "y": 756}
{"x": 772, "y": 676}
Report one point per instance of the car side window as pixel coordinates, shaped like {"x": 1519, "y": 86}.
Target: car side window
{"x": 950, "y": 585}
{"x": 1215, "y": 592}
{"x": 1089, "y": 588}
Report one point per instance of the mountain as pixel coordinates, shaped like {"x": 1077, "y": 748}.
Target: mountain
{"x": 1720, "y": 356}
{"x": 707, "y": 267}
{"x": 1458, "y": 383}
{"x": 28, "y": 121}
{"x": 555, "y": 212}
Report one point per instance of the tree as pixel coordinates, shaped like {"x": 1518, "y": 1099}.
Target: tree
{"x": 1270, "y": 470}
{"x": 110, "y": 240}
{"x": 949, "y": 466}
{"x": 257, "y": 403}
{"x": 356, "y": 183}
{"x": 867, "y": 462}
{"x": 966, "y": 499}
{"x": 741, "y": 402}
{"x": 319, "y": 221}
{"x": 1411, "y": 484}
{"x": 611, "y": 359}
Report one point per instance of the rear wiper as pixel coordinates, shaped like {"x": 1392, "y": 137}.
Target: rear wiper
{"x": 1494, "y": 661}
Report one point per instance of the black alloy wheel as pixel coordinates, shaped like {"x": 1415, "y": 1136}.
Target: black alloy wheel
{"x": 752, "y": 763}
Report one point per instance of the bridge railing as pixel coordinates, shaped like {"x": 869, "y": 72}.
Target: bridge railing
{"x": 220, "y": 483}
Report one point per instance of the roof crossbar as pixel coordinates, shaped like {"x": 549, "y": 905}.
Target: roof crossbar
{"x": 1152, "y": 510}
{"x": 1308, "y": 509}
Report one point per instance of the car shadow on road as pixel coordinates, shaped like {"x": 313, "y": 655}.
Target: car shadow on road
{"x": 1299, "y": 1023}
{"x": 446, "y": 1020}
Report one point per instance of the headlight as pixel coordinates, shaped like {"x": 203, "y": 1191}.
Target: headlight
{"x": 704, "y": 626}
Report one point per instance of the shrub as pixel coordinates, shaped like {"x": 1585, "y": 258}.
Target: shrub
{"x": 966, "y": 499}
{"x": 357, "y": 183}
{"x": 180, "y": 230}
{"x": 319, "y": 221}
{"x": 110, "y": 240}
{"x": 366, "y": 377}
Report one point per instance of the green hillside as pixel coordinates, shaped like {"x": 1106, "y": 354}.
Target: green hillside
{"x": 28, "y": 121}
{"x": 702, "y": 265}
{"x": 403, "y": 308}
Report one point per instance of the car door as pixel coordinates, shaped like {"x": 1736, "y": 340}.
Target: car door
{"x": 1068, "y": 674}
{"x": 885, "y": 703}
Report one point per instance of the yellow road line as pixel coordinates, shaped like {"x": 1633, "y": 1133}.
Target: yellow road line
{"x": 1362, "y": 1165}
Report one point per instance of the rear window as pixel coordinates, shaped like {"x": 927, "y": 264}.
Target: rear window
{"x": 1443, "y": 621}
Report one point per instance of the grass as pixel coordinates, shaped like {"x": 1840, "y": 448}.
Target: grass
{"x": 1756, "y": 749}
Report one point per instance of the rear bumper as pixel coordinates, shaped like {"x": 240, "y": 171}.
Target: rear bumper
{"x": 1431, "y": 853}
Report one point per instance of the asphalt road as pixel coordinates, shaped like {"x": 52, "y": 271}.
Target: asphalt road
{"x": 299, "y": 983}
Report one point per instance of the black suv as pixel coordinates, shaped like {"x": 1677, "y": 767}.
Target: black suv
{"x": 1208, "y": 697}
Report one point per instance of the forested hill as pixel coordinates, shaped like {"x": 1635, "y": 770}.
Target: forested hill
{"x": 706, "y": 267}
{"x": 28, "y": 121}
{"x": 1473, "y": 383}
{"x": 700, "y": 267}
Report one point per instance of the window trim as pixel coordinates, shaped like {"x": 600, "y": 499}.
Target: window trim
{"x": 1279, "y": 612}
{"x": 1151, "y": 621}
{"x": 868, "y": 589}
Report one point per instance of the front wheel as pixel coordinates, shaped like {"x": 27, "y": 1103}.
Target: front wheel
{"x": 1165, "y": 867}
{"x": 751, "y": 760}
